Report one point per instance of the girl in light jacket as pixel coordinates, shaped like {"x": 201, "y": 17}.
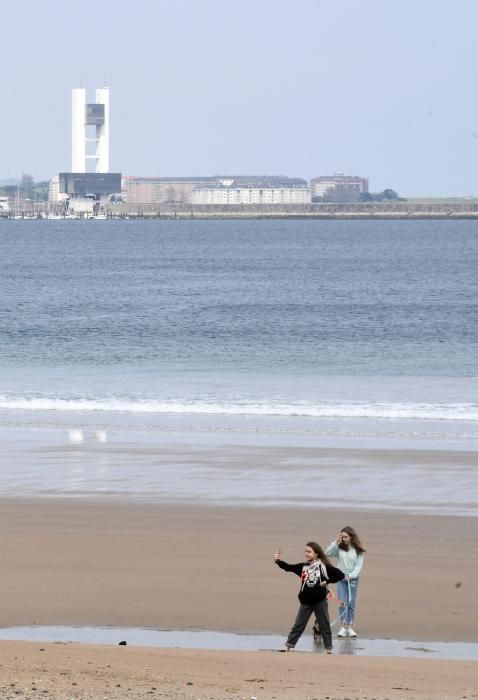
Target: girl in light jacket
{"x": 349, "y": 553}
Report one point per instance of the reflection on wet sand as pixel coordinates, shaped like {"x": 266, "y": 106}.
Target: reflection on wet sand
{"x": 205, "y": 639}
{"x": 96, "y": 464}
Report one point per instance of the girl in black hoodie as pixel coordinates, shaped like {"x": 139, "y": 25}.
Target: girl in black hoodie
{"x": 315, "y": 573}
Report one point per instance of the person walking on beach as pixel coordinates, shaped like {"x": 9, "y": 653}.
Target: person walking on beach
{"x": 349, "y": 553}
{"x": 315, "y": 573}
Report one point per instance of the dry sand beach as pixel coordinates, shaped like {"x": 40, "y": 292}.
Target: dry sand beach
{"x": 184, "y": 566}
{"x": 32, "y": 671}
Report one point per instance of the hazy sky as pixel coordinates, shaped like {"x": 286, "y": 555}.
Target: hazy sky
{"x": 377, "y": 88}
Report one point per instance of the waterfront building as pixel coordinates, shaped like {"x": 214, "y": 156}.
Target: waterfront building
{"x": 85, "y": 190}
{"x": 4, "y": 205}
{"x": 162, "y": 190}
{"x": 237, "y": 194}
{"x": 187, "y": 190}
{"x": 55, "y": 197}
{"x": 339, "y": 187}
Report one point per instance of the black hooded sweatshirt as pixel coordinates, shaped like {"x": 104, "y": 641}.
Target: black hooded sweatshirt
{"x": 312, "y": 575}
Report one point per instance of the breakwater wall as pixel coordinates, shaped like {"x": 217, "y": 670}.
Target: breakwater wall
{"x": 399, "y": 210}
{"x": 376, "y": 210}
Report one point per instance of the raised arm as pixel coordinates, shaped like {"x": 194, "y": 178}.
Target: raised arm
{"x": 294, "y": 568}
{"x": 332, "y": 550}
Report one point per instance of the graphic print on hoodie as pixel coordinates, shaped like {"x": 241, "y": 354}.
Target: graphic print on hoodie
{"x": 312, "y": 575}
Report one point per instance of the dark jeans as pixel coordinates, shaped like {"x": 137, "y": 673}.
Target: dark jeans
{"x": 321, "y": 611}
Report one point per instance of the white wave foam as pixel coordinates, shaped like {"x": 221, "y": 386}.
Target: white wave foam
{"x": 377, "y": 410}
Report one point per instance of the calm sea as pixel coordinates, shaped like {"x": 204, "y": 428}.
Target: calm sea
{"x": 226, "y": 361}
{"x": 316, "y": 326}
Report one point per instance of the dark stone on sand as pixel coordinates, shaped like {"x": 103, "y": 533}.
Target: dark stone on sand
{"x": 122, "y": 643}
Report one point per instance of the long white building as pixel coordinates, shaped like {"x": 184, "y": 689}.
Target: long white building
{"x": 251, "y": 195}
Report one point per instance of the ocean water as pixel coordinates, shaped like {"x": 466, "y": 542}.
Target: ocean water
{"x": 254, "y": 318}
{"x": 292, "y": 333}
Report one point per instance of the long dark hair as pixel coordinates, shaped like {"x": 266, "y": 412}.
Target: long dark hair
{"x": 319, "y": 551}
{"x": 354, "y": 540}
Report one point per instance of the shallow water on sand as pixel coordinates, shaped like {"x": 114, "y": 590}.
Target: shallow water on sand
{"x": 205, "y": 639}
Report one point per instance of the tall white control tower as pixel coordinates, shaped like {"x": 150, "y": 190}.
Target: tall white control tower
{"x": 95, "y": 114}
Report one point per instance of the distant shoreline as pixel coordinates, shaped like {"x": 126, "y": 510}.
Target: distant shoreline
{"x": 405, "y": 210}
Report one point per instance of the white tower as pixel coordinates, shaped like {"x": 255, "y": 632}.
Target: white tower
{"x": 90, "y": 114}
{"x": 103, "y": 132}
{"x": 78, "y": 130}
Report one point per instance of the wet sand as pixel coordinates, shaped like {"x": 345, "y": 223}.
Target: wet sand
{"x": 122, "y": 554}
{"x": 31, "y": 671}
{"x": 170, "y": 566}
{"x": 219, "y": 469}
{"x": 77, "y": 562}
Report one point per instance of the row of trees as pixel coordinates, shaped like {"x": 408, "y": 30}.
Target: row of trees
{"x": 348, "y": 195}
{"x": 27, "y": 190}
{"x": 385, "y": 196}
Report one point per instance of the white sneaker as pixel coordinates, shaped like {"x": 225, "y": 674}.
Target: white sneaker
{"x": 350, "y": 632}
{"x": 342, "y": 632}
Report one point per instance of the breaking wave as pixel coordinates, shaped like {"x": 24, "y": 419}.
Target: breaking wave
{"x": 326, "y": 409}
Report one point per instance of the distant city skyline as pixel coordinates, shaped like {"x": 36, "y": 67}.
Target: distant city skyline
{"x": 370, "y": 89}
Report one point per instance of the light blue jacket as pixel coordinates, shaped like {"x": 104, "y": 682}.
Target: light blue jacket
{"x": 348, "y": 561}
